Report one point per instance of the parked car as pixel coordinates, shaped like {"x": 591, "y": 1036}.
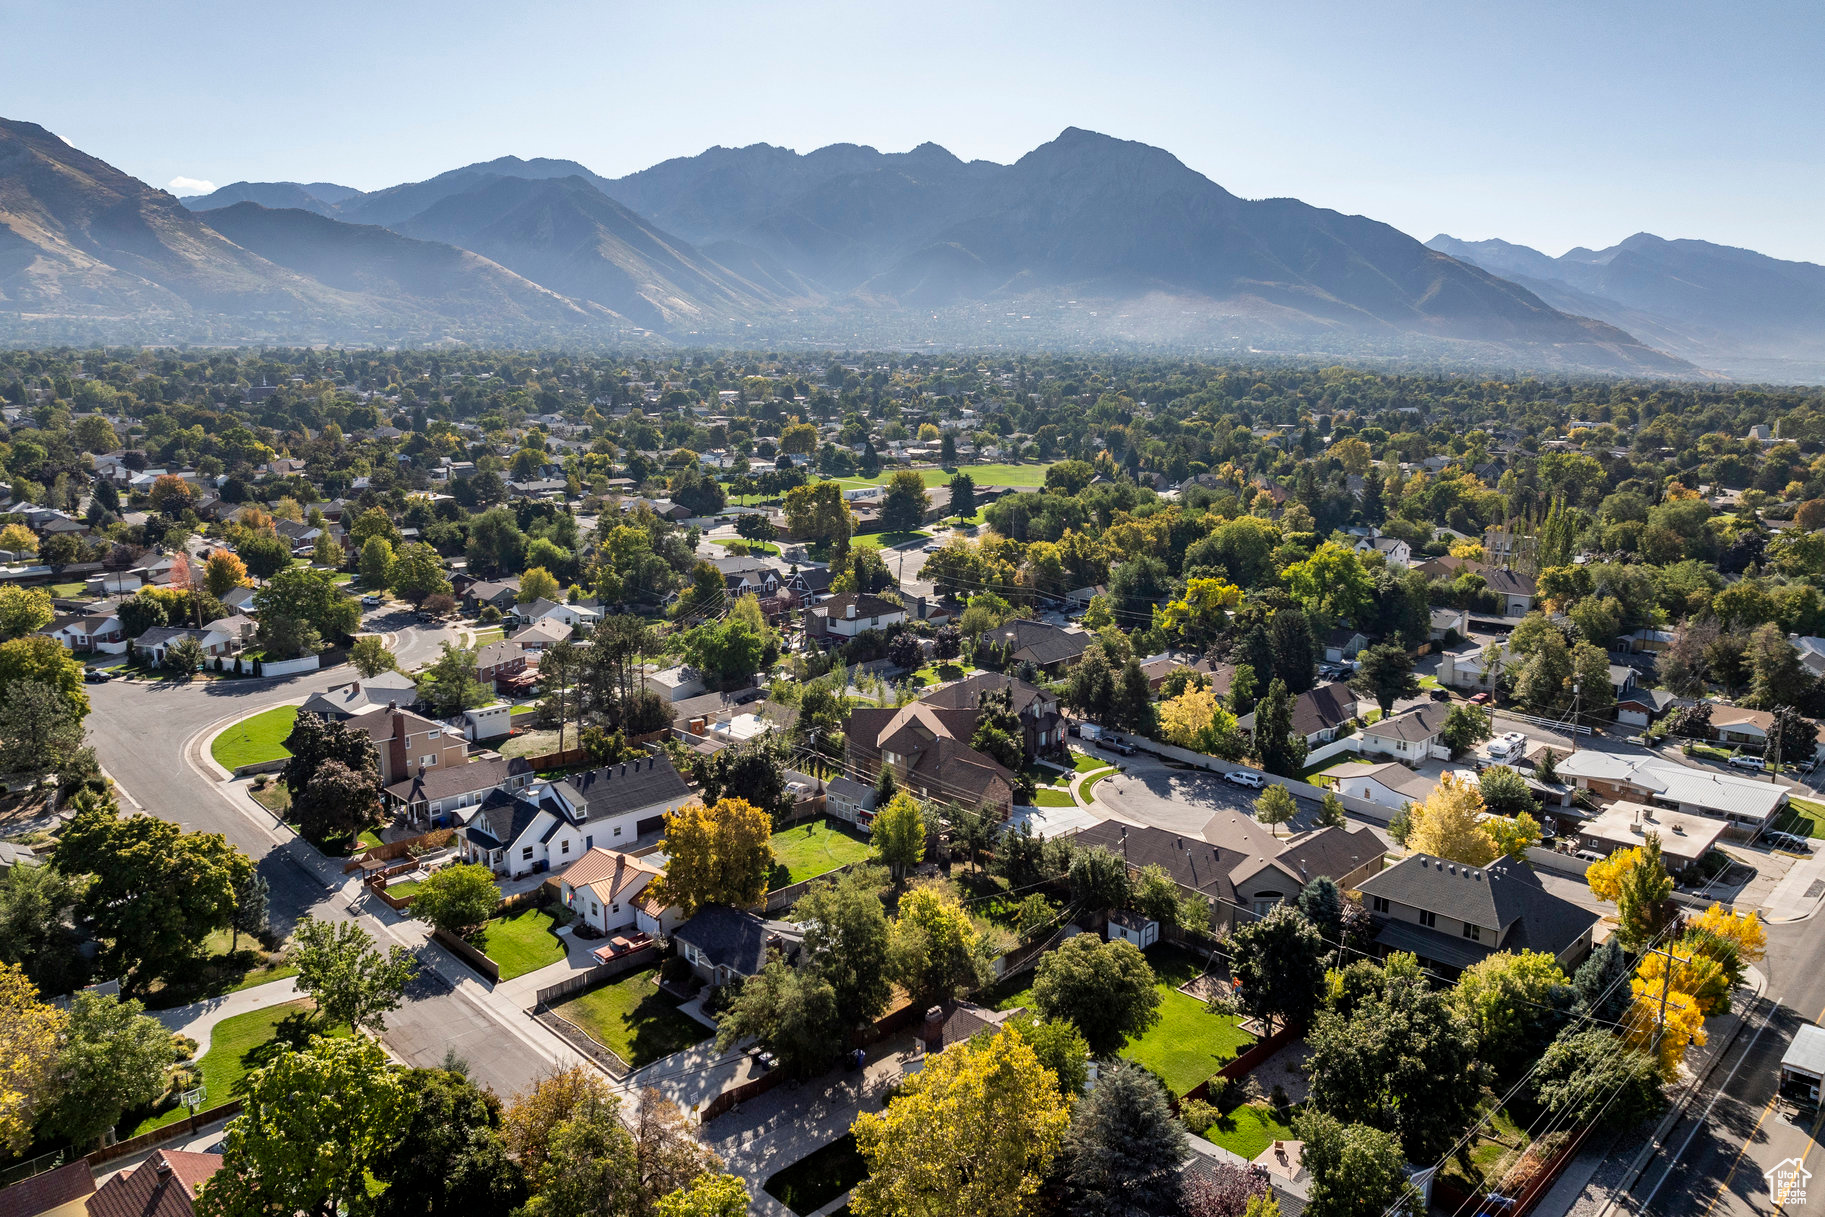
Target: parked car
{"x": 370, "y": 601}
{"x": 1439, "y": 694}
{"x": 1481, "y": 699}
{"x": 1245, "y": 779}
{"x": 97, "y": 676}
{"x": 1745, "y": 761}
{"x": 1789, "y": 841}
{"x": 1110, "y": 744}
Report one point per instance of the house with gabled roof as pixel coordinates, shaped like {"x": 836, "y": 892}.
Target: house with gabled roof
{"x": 1452, "y": 915}
{"x": 926, "y": 748}
{"x": 1319, "y": 714}
{"x": 548, "y": 825}
{"x": 1414, "y": 735}
{"x": 608, "y": 892}
{"x": 435, "y": 795}
{"x": 1050, "y": 648}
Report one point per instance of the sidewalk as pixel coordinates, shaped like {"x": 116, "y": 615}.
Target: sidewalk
{"x": 198, "y": 1019}
{"x": 1797, "y": 896}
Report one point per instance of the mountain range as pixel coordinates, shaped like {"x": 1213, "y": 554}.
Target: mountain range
{"x": 1087, "y": 242}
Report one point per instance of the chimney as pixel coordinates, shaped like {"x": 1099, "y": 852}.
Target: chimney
{"x": 355, "y": 687}
{"x": 849, "y": 610}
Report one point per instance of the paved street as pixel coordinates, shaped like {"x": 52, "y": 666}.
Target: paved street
{"x": 149, "y": 738}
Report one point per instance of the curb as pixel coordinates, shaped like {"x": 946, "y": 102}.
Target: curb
{"x": 1675, "y": 1113}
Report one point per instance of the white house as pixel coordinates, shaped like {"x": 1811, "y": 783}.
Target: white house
{"x": 100, "y": 632}
{"x": 552, "y": 824}
{"x": 1385, "y": 785}
{"x": 607, "y": 891}
{"x": 1413, "y": 736}
{"x": 850, "y": 613}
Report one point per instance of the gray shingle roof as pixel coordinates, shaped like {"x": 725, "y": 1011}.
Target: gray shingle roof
{"x": 1415, "y": 725}
{"x": 617, "y": 789}
{"x": 736, "y": 939}
{"x": 500, "y": 820}
{"x": 1501, "y": 895}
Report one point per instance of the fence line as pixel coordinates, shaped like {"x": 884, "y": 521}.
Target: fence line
{"x": 468, "y": 954}
{"x": 583, "y": 1042}
{"x": 620, "y": 965}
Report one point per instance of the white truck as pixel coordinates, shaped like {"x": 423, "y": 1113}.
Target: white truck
{"x": 1803, "y": 1068}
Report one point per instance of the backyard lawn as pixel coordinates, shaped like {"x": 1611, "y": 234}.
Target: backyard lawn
{"x": 811, "y": 850}
{"x": 983, "y": 475}
{"x": 237, "y": 1046}
{"x": 941, "y": 672}
{"x": 255, "y": 739}
{"x": 1325, "y": 766}
{"x": 522, "y": 942}
{"x": 225, "y": 964}
{"x": 1490, "y": 1157}
{"x": 753, "y": 547}
{"x": 634, "y": 1019}
{"x": 1248, "y": 1130}
{"x": 819, "y": 1177}
{"x": 1189, "y": 1043}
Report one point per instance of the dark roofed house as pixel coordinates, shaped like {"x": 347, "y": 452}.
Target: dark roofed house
{"x": 433, "y": 795}
{"x": 63, "y": 1192}
{"x": 924, "y": 747}
{"x": 850, "y": 613}
{"x": 722, "y": 943}
{"x": 1048, "y": 647}
{"x": 1042, "y": 725}
{"x": 1318, "y": 714}
{"x": 1515, "y": 591}
{"x": 1452, "y": 915}
{"x": 1413, "y": 735}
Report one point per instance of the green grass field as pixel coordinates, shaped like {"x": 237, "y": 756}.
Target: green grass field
{"x": 811, "y": 850}
{"x": 1189, "y": 1043}
{"x": 1803, "y": 817}
{"x": 931, "y": 674}
{"x": 819, "y": 1177}
{"x": 887, "y": 540}
{"x": 1089, "y": 787}
{"x": 634, "y": 1019}
{"x": 488, "y": 634}
{"x": 1083, "y": 762}
{"x": 1342, "y": 758}
{"x": 522, "y": 942}
{"x": 984, "y": 475}
{"x": 753, "y": 547}
{"x": 1248, "y": 1130}
{"x": 64, "y": 591}
{"x": 237, "y": 1046}
{"x": 1051, "y": 796}
{"x": 256, "y": 739}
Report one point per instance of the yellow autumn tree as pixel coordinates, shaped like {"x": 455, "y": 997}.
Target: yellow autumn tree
{"x": 1742, "y": 931}
{"x": 223, "y": 572}
{"x": 1691, "y": 971}
{"x": 1449, "y": 824}
{"x": 30, "y": 1031}
{"x": 973, "y": 1134}
{"x": 1605, "y": 877}
{"x": 717, "y": 855}
{"x": 18, "y": 539}
{"x": 1195, "y": 717}
{"x": 1684, "y": 1027}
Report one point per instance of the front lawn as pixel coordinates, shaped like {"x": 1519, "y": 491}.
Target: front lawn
{"x": 239, "y": 1045}
{"x": 1051, "y": 796}
{"x": 255, "y": 739}
{"x": 819, "y": 1177}
{"x": 942, "y": 672}
{"x": 1188, "y": 1044}
{"x": 634, "y": 1019}
{"x": 522, "y": 941}
{"x": 810, "y": 850}
{"x": 890, "y": 539}
{"x": 1083, "y": 762}
{"x": 766, "y": 548}
{"x": 225, "y": 964}
{"x": 1803, "y": 817}
{"x": 488, "y": 634}
{"x": 1248, "y": 1130}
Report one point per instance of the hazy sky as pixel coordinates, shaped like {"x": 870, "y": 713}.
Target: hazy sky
{"x": 1553, "y": 124}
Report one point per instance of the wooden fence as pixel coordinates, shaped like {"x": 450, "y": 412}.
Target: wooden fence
{"x": 562, "y": 759}
{"x": 787, "y": 896}
{"x": 1245, "y": 1063}
{"x": 469, "y": 955}
{"x": 1447, "y": 1195}
{"x": 393, "y": 851}
{"x": 540, "y": 896}
{"x": 170, "y": 1132}
{"x": 620, "y": 965}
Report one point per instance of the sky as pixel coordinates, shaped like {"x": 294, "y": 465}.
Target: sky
{"x": 1549, "y": 124}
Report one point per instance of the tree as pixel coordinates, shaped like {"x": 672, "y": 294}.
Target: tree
{"x": 18, "y": 539}
{"x": 370, "y": 657}
{"x": 1464, "y": 728}
{"x": 42, "y": 658}
{"x": 1124, "y": 1148}
{"x": 1385, "y": 672}
{"x": 23, "y": 610}
{"x": 537, "y": 583}
{"x": 328, "y": 551}
{"x": 793, "y": 1012}
{"x": 376, "y": 565}
{"x": 30, "y": 1031}
{"x": 417, "y": 575}
{"x": 1449, "y": 824}
{"x": 1505, "y": 792}
{"x": 40, "y": 731}
{"x": 818, "y": 512}
{"x": 1331, "y": 811}
{"x": 1275, "y": 807}
{"x": 934, "y": 950}
{"x": 1224, "y": 1189}
{"x": 1356, "y": 1170}
{"x": 1792, "y": 739}
{"x": 846, "y": 942}
{"x": 338, "y": 802}
{"x": 450, "y": 1160}
{"x": 1776, "y": 675}
{"x": 114, "y": 1059}
{"x": 973, "y": 1134}
{"x": 1060, "y": 1047}
{"x": 223, "y": 571}
{"x": 457, "y": 899}
{"x": 156, "y": 891}
{"x": 903, "y": 509}
{"x": 898, "y": 834}
{"x": 1592, "y": 1075}
{"x": 1278, "y": 748}
{"x": 496, "y": 545}
{"x": 754, "y": 526}
{"x": 265, "y": 554}
{"x": 1513, "y": 835}
{"x": 170, "y": 494}
{"x": 1514, "y": 1002}
{"x": 754, "y": 770}
{"x": 1099, "y": 880}
{"x": 352, "y": 982}
{"x": 1105, "y": 989}
{"x": 1402, "y": 1060}
{"x": 299, "y": 606}
{"x": 717, "y": 854}
{"x": 1643, "y": 897}
{"x": 1278, "y": 964}
{"x": 963, "y": 495}
{"x": 313, "y": 1125}
{"x": 1321, "y": 902}
{"x": 709, "y": 1195}
{"x": 36, "y": 934}
{"x": 449, "y": 683}
{"x": 591, "y": 1166}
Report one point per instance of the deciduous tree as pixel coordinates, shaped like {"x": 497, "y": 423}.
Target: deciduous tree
{"x": 1105, "y": 989}
{"x": 114, "y": 1059}
{"x": 935, "y": 951}
{"x": 846, "y": 942}
{"x": 352, "y": 982}
{"x": 450, "y": 1160}
{"x": 1449, "y": 824}
{"x": 457, "y": 899}
{"x": 30, "y": 1031}
{"x": 717, "y": 854}
{"x": 1278, "y": 965}
{"x": 1356, "y": 1170}
{"x": 898, "y": 835}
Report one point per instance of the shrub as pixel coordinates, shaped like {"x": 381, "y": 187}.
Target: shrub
{"x": 1197, "y": 1116}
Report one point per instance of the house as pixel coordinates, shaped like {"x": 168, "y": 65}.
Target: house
{"x": 500, "y": 594}
{"x": 62, "y": 1192}
{"x": 164, "y": 1185}
{"x": 850, "y": 613}
{"x": 1452, "y": 915}
{"x": 408, "y": 743}
{"x": 606, "y": 891}
{"x": 1502, "y": 545}
{"x": 1516, "y": 592}
{"x": 1239, "y": 866}
{"x": 499, "y": 660}
{"x": 1448, "y": 621}
{"x": 541, "y": 635}
{"x": 850, "y": 801}
{"x": 1050, "y": 648}
{"x": 926, "y": 748}
{"x": 1398, "y": 553}
{"x": 811, "y": 584}
{"x": 1319, "y": 714}
{"x": 551, "y": 824}
{"x": 745, "y": 576}
{"x": 1446, "y": 569}
{"x": 99, "y": 632}
{"x": 956, "y": 1022}
{"x": 721, "y": 943}
{"x": 673, "y": 684}
{"x": 216, "y": 638}
{"x": 114, "y": 583}
{"x": 1736, "y": 725}
{"x": 1343, "y": 644}
{"x": 1638, "y": 707}
{"x": 1684, "y": 839}
{"x": 1412, "y": 736}
{"x": 435, "y": 794}
{"x": 1042, "y": 725}
{"x": 1385, "y": 785}
{"x": 1750, "y": 806}
{"x": 360, "y": 696}
{"x": 1157, "y": 669}
{"x": 572, "y": 615}
{"x": 1463, "y": 667}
